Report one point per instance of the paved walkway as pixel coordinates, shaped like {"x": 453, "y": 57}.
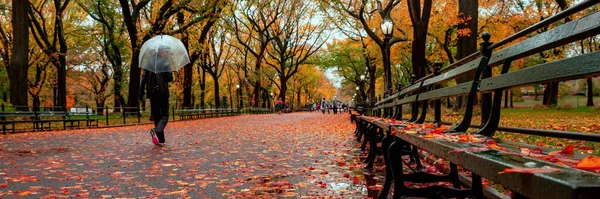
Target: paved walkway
{"x": 290, "y": 155}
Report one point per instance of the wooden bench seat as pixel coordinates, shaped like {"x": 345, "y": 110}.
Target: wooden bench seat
{"x": 480, "y": 158}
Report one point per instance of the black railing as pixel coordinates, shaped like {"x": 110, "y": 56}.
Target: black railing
{"x": 22, "y": 119}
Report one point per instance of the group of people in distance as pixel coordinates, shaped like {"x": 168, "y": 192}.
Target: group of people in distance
{"x": 334, "y": 105}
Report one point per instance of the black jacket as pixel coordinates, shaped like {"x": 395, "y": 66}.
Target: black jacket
{"x": 166, "y": 76}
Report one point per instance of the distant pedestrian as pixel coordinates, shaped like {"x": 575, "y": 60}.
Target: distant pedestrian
{"x": 279, "y": 106}
{"x": 334, "y": 103}
{"x": 324, "y": 105}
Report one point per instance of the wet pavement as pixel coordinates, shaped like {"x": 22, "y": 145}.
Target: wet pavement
{"x": 296, "y": 155}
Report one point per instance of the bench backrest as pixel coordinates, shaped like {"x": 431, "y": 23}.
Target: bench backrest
{"x": 569, "y": 68}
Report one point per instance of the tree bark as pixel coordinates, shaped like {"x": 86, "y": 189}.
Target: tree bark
{"x": 187, "y": 70}
{"x": 506, "y": 99}
{"x": 466, "y": 44}
{"x": 551, "y": 94}
{"x": 420, "y": 19}
{"x": 202, "y": 88}
{"x": 216, "y": 84}
{"x": 17, "y": 71}
{"x": 590, "y": 92}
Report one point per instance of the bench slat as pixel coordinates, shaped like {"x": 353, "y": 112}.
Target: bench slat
{"x": 572, "y": 31}
{"x": 567, "y": 183}
{"x": 459, "y": 89}
{"x": 582, "y": 66}
{"x": 454, "y": 73}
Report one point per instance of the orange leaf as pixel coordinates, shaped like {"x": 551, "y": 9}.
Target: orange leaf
{"x": 429, "y": 135}
{"x": 529, "y": 170}
{"x": 25, "y": 193}
{"x": 495, "y": 146}
{"x": 589, "y": 163}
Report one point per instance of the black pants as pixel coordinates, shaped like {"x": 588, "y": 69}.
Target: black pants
{"x": 159, "y": 108}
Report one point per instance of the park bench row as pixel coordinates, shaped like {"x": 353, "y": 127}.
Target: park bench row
{"x": 481, "y": 152}
{"x": 206, "y": 113}
{"x": 42, "y": 120}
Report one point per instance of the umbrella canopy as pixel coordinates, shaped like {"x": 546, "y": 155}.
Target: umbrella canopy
{"x": 163, "y": 53}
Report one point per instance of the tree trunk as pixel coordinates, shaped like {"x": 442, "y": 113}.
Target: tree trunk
{"x": 371, "y": 90}
{"x": 100, "y": 106}
{"x": 299, "y": 102}
{"x": 256, "y": 94}
{"x": 187, "y": 70}
{"x": 418, "y": 52}
{"x": 420, "y": 17}
{"x": 551, "y": 94}
{"x": 511, "y": 99}
{"x": 283, "y": 89}
{"x": 36, "y": 102}
{"x": 216, "y": 84}
{"x": 506, "y": 99}
{"x": 202, "y": 88}
{"x": 466, "y": 44}
{"x": 119, "y": 101}
{"x": 134, "y": 68}
{"x": 590, "y": 92}
{"x": 17, "y": 72}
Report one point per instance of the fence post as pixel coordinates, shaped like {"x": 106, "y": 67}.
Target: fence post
{"x": 124, "y": 115}
{"x": 173, "y": 113}
{"x": 139, "y": 114}
{"x": 106, "y": 109}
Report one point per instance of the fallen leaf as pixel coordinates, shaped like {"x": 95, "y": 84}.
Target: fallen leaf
{"x": 589, "y": 163}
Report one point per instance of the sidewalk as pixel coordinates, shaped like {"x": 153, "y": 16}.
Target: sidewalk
{"x": 290, "y": 155}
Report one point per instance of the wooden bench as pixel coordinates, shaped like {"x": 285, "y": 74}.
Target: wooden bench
{"x": 203, "y": 113}
{"x": 484, "y": 160}
{"x": 41, "y": 120}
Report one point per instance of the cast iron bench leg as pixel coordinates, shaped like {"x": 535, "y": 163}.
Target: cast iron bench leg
{"x": 372, "y": 148}
{"x": 365, "y": 132}
{"x": 385, "y": 145}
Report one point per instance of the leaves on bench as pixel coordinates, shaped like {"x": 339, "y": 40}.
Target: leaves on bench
{"x": 589, "y": 163}
{"x": 530, "y": 170}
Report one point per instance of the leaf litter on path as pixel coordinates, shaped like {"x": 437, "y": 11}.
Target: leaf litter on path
{"x": 293, "y": 155}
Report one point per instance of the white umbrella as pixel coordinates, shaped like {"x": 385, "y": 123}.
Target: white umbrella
{"x": 163, "y": 53}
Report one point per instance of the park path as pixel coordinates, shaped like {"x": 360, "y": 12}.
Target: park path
{"x": 296, "y": 155}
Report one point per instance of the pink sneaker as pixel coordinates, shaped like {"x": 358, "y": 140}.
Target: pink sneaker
{"x": 154, "y": 138}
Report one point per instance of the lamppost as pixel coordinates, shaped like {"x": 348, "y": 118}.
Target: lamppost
{"x": 239, "y": 91}
{"x": 272, "y": 100}
{"x": 387, "y": 27}
{"x": 357, "y": 90}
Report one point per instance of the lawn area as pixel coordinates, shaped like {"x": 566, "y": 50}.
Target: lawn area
{"x": 573, "y": 101}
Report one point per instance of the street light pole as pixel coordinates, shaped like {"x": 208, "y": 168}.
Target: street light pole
{"x": 387, "y": 29}
{"x": 239, "y": 91}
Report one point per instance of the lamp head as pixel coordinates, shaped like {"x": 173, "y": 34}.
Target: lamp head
{"x": 387, "y": 26}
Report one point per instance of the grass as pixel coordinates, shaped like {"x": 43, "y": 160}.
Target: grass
{"x": 575, "y": 101}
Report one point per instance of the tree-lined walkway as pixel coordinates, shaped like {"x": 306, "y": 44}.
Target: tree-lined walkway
{"x": 295, "y": 155}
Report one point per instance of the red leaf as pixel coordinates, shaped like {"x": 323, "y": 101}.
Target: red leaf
{"x": 568, "y": 150}
{"x": 346, "y": 175}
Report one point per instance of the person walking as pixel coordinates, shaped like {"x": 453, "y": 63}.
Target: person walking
{"x": 156, "y": 86}
{"x": 324, "y": 105}
{"x": 335, "y": 105}
{"x": 159, "y": 57}
{"x": 279, "y": 106}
